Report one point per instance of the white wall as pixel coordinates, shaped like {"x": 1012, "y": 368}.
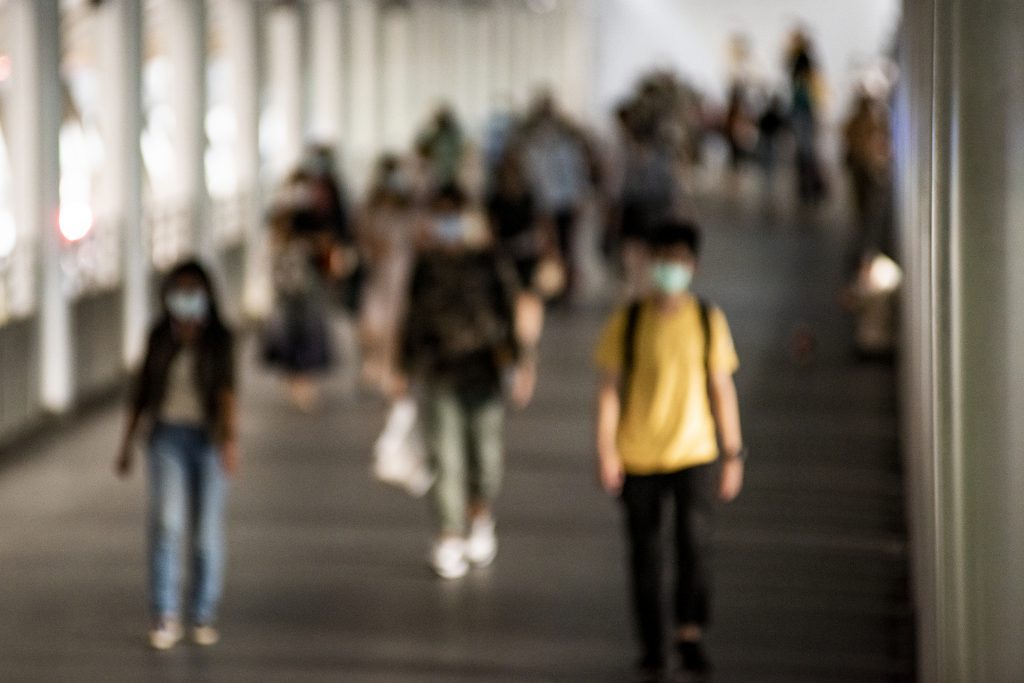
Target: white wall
{"x": 692, "y": 36}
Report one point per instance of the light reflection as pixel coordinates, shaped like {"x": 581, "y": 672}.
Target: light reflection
{"x": 75, "y": 221}
{"x": 8, "y": 236}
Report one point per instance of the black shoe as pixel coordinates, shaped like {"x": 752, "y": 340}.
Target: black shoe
{"x": 691, "y": 652}
{"x": 650, "y": 669}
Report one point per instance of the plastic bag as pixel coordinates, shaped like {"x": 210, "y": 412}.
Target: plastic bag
{"x": 399, "y": 454}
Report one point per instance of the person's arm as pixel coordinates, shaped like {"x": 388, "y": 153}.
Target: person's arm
{"x": 227, "y": 407}
{"x": 727, "y": 415}
{"x": 228, "y": 438}
{"x": 609, "y": 464}
{"x": 529, "y": 323}
{"x": 123, "y": 465}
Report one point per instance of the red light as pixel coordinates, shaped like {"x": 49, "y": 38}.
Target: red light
{"x": 75, "y": 221}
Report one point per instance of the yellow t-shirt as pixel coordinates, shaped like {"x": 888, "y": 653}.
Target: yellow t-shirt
{"x": 667, "y": 424}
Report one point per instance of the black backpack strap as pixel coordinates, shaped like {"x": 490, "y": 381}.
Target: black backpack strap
{"x": 705, "y": 323}
{"x": 629, "y": 348}
{"x": 705, "y": 326}
{"x": 629, "y": 352}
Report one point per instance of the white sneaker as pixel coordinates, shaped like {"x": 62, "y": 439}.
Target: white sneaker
{"x": 165, "y": 634}
{"x": 448, "y": 558}
{"x": 205, "y": 635}
{"x": 481, "y": 546}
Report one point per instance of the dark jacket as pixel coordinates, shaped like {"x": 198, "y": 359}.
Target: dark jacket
{"x": 214, "y": 372}
{"x": 460, "y": 329}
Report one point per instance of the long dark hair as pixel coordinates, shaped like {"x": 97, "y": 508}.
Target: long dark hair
{"x": 214, "y": 323}
{"x": 215, "y": 368}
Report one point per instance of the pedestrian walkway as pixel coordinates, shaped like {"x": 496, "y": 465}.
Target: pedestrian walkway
{"x": 327, "y": 579}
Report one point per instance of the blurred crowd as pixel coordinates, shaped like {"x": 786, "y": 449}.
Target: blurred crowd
{"x": 528, "y": 182}
{"x": 442, "y": 274}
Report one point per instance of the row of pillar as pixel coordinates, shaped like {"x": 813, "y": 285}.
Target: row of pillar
{"x": 362, "y": 74}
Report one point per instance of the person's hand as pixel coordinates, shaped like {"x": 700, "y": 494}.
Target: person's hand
{"x": 611, "y": 474}
{"x": 123, "y": 464}
{"x": 229, "y": 456}
{"x": 524, "y": 381}
{"x": 731, "y": 482}
{"x": 398, "y": 387}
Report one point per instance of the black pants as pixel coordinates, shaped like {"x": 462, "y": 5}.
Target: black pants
{"x": 565, "y": 233}
{"x": 692, "y": 492}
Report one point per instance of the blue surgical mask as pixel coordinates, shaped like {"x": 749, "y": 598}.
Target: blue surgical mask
{"x": 671, "y": 278}
{"x": 449, "y": 229}
{"x": 188, "y": 305}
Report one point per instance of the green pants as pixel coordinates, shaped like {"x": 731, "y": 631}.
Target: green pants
{"x": 464, "y": 435}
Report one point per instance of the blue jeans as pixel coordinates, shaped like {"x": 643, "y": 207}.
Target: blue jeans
{"x": 186, "y": 481}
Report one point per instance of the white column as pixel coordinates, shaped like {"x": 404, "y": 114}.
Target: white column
{"x": 37, "y": 105}
{"x": 988, "y": 172}
{"x": 422, "y": 68}
{"x": 445, "y": 30}
{"x": 578, "y": 58}
{"x": 243, "y": 34}
{"x": 285, "y": 50}
{"x": 186, "y": 36}
{"x": 396, "y": 38}
{"x": 328, "y": 42}
{"x": 365, "y": 95}
{"x": 914, "y": 177}
{"x": 482, "y": 68}
{"x": 965, "y": 250}
{"x": 121, "y": 68}
{"x": 464, "y": 62}
{"x": 500, "y": 90}
{"x": 522, "y": 63}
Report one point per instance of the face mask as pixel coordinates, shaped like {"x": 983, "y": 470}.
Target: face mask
{"x": 395, "y": 182}
{"x": 671, "y": 278}
{"x": 317, "y": 165}
{"x": 188, "y": 305}
{"x": 449, "y": 229}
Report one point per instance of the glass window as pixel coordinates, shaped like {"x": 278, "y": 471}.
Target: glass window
{"x": 17, "y": 253}
{"x": 91, "y": 256}
{"x": 221, "y": 158}
{"x": 167, "y": 220}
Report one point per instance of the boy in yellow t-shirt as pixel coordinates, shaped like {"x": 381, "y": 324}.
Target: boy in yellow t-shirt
{"x": 667, "y": 406}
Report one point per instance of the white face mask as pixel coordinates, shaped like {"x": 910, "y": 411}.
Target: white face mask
{"x": 188, "y": 305}
{"x": 449, "y": 229}
{"x": 669, "y": 277}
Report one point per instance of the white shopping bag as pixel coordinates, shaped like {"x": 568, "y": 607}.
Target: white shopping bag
{"x": 399, "y": 455}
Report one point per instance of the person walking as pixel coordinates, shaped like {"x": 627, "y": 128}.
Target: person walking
{"x": 460, "y": 339}
{"x": 668, "y": 426}
{"x": 385, "y": 235}
{"x": 297, "y": 336}
{"x": 186, "y": 392}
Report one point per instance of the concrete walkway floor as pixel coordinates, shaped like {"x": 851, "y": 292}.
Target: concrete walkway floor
{"x": 327, "y": 579}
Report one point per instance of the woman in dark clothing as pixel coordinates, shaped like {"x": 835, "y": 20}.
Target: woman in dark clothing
{"x": 186, "y": 392}
{"x": 512, "y": 211}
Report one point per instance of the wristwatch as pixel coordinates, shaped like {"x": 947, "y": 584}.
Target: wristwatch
{"x": 740, "y": 455}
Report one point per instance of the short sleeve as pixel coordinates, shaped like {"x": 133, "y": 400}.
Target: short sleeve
{"x": 609, "y": 351}
{"x": 723, "y": 358}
